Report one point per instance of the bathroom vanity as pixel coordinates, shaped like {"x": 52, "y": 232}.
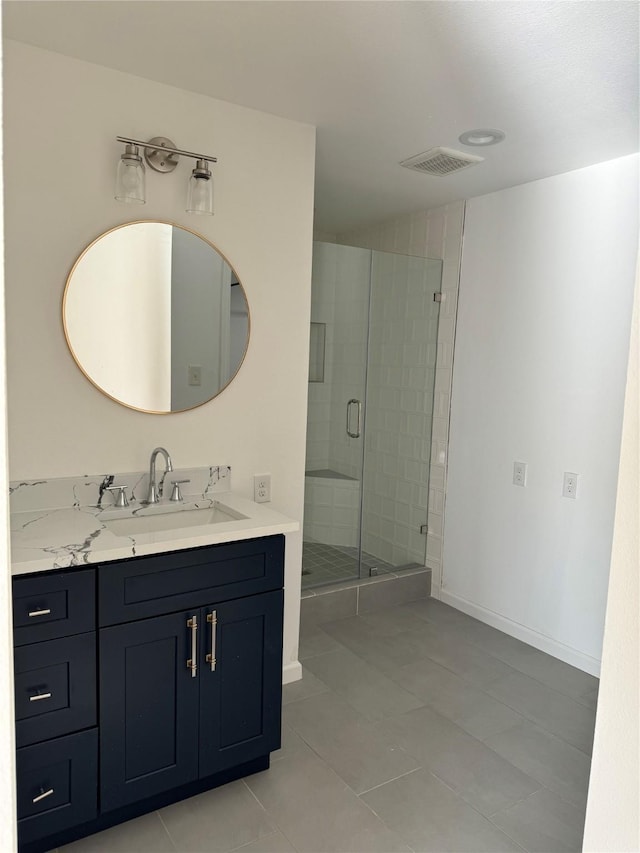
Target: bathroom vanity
{"x": 144, "y": 680}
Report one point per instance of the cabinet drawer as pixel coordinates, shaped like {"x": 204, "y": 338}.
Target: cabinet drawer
{"x": 53, "y": 605}
{"x": 152, "y": 586}
{"x": 55, "y": 688}
{"x": 57, "y": 785}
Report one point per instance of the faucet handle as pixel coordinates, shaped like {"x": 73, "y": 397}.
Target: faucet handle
{"x": 121, "y": 497}
{"x": 176, "y": 494}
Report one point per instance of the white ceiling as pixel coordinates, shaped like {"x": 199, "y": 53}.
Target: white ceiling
{"x": 383, "y": 81}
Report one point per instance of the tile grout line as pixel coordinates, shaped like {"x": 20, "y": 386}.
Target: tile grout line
{"x": 269, "y": 815}
{"x": 164, "y": 826}
{"x": 522, "y": 800}
{"x": 388, "y": 781}
{"x": 486, "y": 817}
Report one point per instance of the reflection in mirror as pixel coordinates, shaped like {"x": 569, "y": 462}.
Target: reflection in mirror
{"x": 155, "y": 317}
{"x": 316, "y": 351}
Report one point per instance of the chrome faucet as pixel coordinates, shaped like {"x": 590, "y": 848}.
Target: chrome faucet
{"x": 154, "y": 494}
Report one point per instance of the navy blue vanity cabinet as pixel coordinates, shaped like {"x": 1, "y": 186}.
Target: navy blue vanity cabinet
{"x": 186, "y": 663}
{"x": 197, "y": 690}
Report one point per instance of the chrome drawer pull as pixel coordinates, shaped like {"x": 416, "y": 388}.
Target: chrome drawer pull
{"x": 42, "y": 796}
{"x": 39, "y": 612}
{"x": 39, "y": 696}
{"x": 192, "y": 662}
{"x": 212, "y": 619}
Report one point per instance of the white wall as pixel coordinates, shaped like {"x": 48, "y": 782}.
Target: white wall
{"x": 124, "y": 282}
{"x": 613, "y": 807}
{"x": 7, "y": 743}
{"x": 61, "y": 119}
{"x": 541, "y": 351}
{"x": 435, "y": 233}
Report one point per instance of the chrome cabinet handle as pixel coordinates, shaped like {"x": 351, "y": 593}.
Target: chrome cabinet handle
{"x": 212, "y": 619}
{"x": 192, "y": 663}
{"x": 42, "y": 796}
{"x": 39, "y": 696}
{"x": 358, "y": 431}
{"x": 39, "y": 612}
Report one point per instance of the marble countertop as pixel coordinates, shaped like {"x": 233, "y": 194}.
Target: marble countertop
{"x": 61, "y": 536}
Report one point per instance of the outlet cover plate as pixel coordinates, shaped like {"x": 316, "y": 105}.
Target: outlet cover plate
{"x": 520, "y": 474}
{"x": 262, "y": 488}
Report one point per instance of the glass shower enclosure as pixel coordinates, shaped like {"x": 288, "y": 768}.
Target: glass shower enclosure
{"x": 374, "y": 324}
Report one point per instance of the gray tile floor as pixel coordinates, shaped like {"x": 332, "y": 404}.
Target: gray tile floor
{"x": 415, "y": 728}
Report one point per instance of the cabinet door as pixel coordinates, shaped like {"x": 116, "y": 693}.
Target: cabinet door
{"x": 240, "y": 681}
{"x": 149, "y": 708}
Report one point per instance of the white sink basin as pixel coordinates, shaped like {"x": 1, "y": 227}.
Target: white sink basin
{"x": 157, "y": 521}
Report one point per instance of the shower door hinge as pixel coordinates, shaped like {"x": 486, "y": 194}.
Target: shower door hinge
{"x": 424, "y": 529}
{"x": 437, "y": 297}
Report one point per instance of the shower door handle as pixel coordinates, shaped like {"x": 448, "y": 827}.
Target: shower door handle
{"x": 358, "y": 432}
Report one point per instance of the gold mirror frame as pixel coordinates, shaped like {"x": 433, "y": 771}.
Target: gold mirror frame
{"x": 67, "y": 333}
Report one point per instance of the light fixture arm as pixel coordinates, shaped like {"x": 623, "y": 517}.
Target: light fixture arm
{"x": 154, "y": 146}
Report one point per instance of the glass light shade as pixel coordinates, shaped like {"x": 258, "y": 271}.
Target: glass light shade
{"x": 130, "y": 177}
{"x": 200, "y": 192}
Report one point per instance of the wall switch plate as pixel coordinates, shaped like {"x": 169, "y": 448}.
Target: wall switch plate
{"x": 194, "y": 372}
{"x": 519, "y": 473}
{"x": 569, "y": 485}
{"x": 262, "y": 488}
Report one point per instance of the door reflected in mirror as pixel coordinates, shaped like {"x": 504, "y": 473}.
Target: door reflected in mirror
{"x": 155, "y": 317}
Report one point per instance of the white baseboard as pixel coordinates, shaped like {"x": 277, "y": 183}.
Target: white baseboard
{"x": 539, "y": 641}
{"x": 292, "y": 672}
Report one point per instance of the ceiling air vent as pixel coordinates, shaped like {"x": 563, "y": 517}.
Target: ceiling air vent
{"x": 441, "y": 161}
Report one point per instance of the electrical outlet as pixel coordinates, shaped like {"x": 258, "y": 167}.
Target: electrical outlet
{"x": 570, "y": 485}
{"x": 519, "y": 473}
{"x": 194, "y": 373}
{"x": 262, "y": 488}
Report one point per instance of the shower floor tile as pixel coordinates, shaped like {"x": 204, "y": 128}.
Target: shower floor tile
{"x": 324, "y": 564}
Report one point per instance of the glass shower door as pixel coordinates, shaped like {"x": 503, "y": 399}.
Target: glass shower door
{"x": 404, "y": 309}
{"x": 336, "y": 410}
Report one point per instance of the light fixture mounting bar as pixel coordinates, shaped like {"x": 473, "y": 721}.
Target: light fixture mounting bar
{"x": 130, "y": 140}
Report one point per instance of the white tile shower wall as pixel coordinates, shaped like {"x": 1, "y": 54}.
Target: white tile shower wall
{"x": 348, "y": 355}
{"x": 340, "y": 300}
{"x": 331, "y": 510}
{"x": 404, "y": 319}
{"x": 319, "y": 400}
{"x": 433, "y": 233}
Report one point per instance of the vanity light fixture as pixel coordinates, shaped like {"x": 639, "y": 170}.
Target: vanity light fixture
{"x": 200, "y": 192}
{"x": 161, "y": 155}
{"x": 130, "y": 177}
{"x": 481, "y": 136}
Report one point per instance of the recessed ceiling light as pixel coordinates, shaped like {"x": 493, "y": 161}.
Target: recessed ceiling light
{"x": 481, "y": 136}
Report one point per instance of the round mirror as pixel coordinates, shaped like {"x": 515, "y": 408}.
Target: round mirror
{"x": 155, "y": 317}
